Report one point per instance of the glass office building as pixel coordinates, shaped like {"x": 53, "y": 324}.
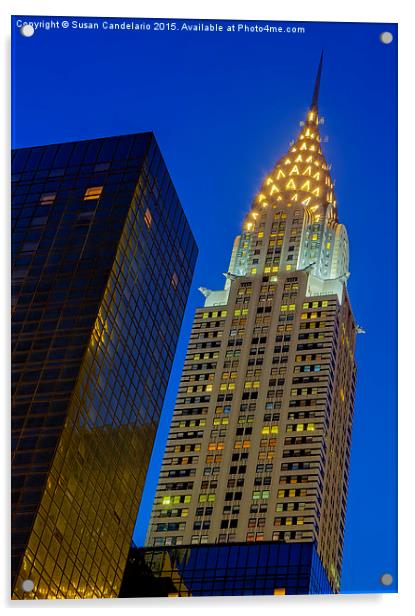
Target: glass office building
{"x": 266, "y": 568}
{"x": 102, "y": 262}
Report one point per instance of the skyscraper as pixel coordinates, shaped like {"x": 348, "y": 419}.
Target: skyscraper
{"x": 259, "y": 443}
{"x": 102, "y": 258}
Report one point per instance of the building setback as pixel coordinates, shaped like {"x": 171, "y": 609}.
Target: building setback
{"x": 102, "y": 261}
{"x": 259, "y": 443}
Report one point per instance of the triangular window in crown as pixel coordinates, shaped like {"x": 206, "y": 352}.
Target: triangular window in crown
{"x": 294, "y": 170}
{"x": 280, "y": 174}
{"x": 290, "y": 184}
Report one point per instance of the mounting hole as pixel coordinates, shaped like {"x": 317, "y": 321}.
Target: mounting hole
{"x": 28, "y": 585}
{"x": 27, "y": 30}
{"x": 386, "y": 579}
{"x": 386, "y": 37}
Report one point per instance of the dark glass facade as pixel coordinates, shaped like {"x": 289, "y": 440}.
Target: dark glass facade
{"x": 266, "y": 568}
{"x": 102, "y": 261}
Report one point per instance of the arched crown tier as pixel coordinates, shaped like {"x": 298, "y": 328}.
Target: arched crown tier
{"x": 302, "y": 175}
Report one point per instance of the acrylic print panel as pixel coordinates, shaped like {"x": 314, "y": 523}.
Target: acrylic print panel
{"x": 177, "y": 431}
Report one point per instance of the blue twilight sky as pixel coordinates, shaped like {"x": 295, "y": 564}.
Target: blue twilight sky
{"x": 224, "y": 107}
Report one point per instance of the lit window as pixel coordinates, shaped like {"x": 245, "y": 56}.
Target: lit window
{"x": 93, "y": 193}
{"x": 47, "y": 198}
{"x": 174, "y": 280}
{"x": 148, "y": 218}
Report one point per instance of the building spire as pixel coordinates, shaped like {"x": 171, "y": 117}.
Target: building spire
{"x": 314, "y": 102}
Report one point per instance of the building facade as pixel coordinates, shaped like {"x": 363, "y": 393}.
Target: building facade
{"x": 264, "y": 568}
{"x": 102, "y": 263}
{"x": 259, "y": 443}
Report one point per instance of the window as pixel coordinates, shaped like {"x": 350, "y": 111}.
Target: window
{"x": 93, "y": 193}
{"x": 174, "y": 283}
{"x": 47, "y": 198}
{"x": 148, "y": 218}
{"x": 102, "y": 166}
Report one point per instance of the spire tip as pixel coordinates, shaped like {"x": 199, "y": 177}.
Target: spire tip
{"x": 314, "y": 102}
